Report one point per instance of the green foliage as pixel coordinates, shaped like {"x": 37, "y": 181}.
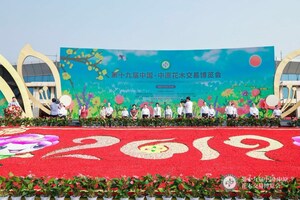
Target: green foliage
{"x": 60, "y": 187}
{"x": 291, "y": 189}
{"x": 210, "y": 186}
{"x": 45, "y": 186}
{"x": 123, "y": 185}
{"x": 28, "y": 186}
{"x": 90, "y": 186}
{"x": 165, "y": 187}
{"x": 5, "y": 186}
{"x": 151, "y": 185}
{"x": 194, "y": 187}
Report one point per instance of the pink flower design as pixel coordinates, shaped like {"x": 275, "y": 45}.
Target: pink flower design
{"x": 221, "y": 109}
{"x": 241, "y": 100}
{"x": 243, "y": 110}
{"x": 255, "y": 92}
{"x": 209, "y": 98}
{"x": 262, "y": 104}
{"x": 296, "y": 140}
{"x": 200, "y": 102}
{"x": 119, "y": 99}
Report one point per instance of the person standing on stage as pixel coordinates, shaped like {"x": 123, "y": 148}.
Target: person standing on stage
{"x": 168, "y": 113}
{"x": 229, "y": 111}
{"x": 254, "y": 111}
{"x": 188, "y": 108}
{"x": 211, "y": 112}
{"x": 103, "y": 112}
{"x": 84, "y": 112}
{"x": 79, "y": 112}
{"x": 62, "y": 112}
{"x": 157, "y": 111}
{"x": 276, "y": 112}
{"x": 109, "y": 111}
{"x": 54, "y": 108}
{"x": 180, "y": 110}
{"x": 14, "y": 102}
{"x": 125, "y": 113}
{"x": 145, "y": 112}
{"x": 134, "y": 112}
{"x": 204, "y": 110}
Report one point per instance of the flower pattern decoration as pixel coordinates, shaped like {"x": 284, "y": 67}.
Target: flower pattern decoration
{"x": 151, "y": 149}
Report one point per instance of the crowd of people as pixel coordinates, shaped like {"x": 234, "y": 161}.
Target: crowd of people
{"x": 184, "y": 109}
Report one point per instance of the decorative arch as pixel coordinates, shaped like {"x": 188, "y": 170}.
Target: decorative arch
{"x": 278, "y": 75}
{"x": 28, "y": 51}
{"x": 8, "y": 93}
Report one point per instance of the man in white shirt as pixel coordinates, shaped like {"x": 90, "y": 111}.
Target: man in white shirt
{"x": 277, "y": 112}
{"x": 145, "y": 112}
{"x": 157, "y": 111}
{"x": 188, "y": 108}
{"x": 109, "y": 111}
{"x": 254, "y": 111}
{"x": 204, "y": 110}
{"x": 14, "y": 102}
{"x": 229, "y": 111}
{"x": 211, "y": 112}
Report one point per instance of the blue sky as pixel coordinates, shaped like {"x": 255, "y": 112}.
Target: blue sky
{"x": 148, "y": 24}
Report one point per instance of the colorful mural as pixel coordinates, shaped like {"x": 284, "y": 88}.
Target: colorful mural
{"x": 125, "y": 77}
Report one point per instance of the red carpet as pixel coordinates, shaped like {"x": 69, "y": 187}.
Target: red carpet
{"x": 115, "y": 152}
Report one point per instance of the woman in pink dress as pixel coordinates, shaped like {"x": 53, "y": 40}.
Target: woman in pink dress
{"x": 84, "y": 112}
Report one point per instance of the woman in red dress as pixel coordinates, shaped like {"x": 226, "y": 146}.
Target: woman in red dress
{"x": 134, "y": 112}
{"x": 84, "y": 112}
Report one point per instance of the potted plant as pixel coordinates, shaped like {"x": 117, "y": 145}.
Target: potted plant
{"x": 165, "y": 183}
{"x": 179, "y": 188}
{"x": 28, "y": 187}
{"x": 256, "y": 188}
{"x": 45, "y": 187}
{"x": 151, "y": 186}
{"x": 291, "y": 190}
{"x": 16, "y": 185}
{"x": 194, "y": 188}
{"x": 225, "y": 194}
{"x": 60, "y": 188}
{"x": 107, "y": 190}
{"x": 75, "y": 185}
{"x": 209, "y": 187}
{"x": 123, "y": 186}
{"x": 241, "y": 193}
{"x": 276, "y": 190}
{"x": 90, "y": 187}
{"x": 5, "y": 187}
{"x": 138, "y": 188}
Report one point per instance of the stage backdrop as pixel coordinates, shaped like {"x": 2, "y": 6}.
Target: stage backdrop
{"x": 125, "y": 77}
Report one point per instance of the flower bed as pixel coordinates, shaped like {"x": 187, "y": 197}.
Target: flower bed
{"x": 156, "y": 186}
